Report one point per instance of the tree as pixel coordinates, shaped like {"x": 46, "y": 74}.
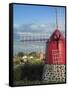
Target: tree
{"x": 20, "y": 54}
{"x": 33, "y": 54}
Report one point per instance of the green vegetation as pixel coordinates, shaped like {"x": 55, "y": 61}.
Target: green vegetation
{"x": 28, "y": 68}
{"x": 31, "y": 58}
{"x": 20, "y": 54}
{"x": 28, "y": 73}
{"x": 34, "y": 54}
{"x": 17, "y": 73}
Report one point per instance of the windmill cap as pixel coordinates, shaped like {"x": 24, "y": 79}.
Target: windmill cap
{"x": 57, "y": 35}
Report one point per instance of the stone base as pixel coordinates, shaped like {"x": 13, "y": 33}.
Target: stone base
{"x": 54, "y": 73}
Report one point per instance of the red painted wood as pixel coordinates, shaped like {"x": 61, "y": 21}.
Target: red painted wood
{"x": 56, "y": 49}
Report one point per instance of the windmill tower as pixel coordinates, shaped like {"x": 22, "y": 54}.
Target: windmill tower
{"x": 54, "y": 69}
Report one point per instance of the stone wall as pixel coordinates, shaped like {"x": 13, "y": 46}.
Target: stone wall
{"x": 54, "y": 73}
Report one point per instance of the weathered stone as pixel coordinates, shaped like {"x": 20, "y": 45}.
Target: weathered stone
{"x": 54, "y": 73}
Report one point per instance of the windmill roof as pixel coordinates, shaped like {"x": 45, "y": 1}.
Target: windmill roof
{"x": 57, "y": 35}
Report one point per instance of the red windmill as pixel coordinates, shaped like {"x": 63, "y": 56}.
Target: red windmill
{"x": 54, "y": 69}
{"x": 56, "y": 49}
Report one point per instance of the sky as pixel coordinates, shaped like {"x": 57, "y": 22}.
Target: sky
{"x": 35, "y": 22}
{"x": 24, "y": 14}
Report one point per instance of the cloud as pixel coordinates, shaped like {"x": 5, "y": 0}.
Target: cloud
{"x": 37, "y": 30}
{"x": 33, "y": 30}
